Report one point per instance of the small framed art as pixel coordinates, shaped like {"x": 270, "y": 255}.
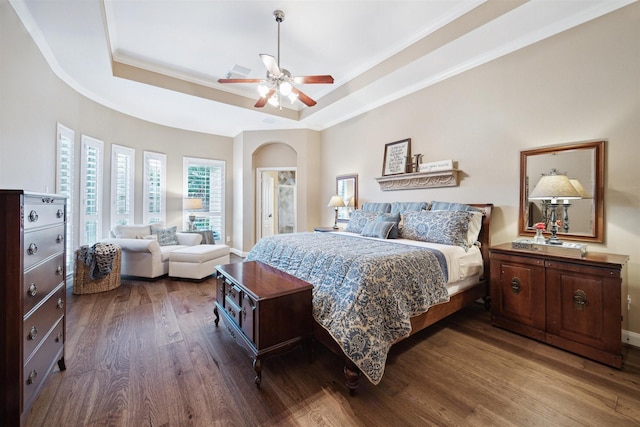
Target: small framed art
{"x": 395, "y": 157}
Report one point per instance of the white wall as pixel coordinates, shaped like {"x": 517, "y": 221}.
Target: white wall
{"x": 580, "y": 85}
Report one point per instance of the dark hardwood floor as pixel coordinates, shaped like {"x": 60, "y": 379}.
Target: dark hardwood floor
{"x": 149, "y": 354}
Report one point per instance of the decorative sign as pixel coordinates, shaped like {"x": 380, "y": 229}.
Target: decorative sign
{"x": 442, "y": 165}
{"x": 396, "y": 155}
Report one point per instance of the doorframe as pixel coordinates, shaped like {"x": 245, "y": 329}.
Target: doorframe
{"x": 258, "y": 193}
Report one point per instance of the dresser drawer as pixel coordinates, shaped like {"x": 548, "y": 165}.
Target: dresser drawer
{"x": 38, "y": 282}
{"x": 234, "y": 293}
{"x": 37, "y": 325}
{"x": 41, "y": 244}
{"x": 233, "y": 310}
{"x": 39, "y": 214}
{"x": 36, "y": 370}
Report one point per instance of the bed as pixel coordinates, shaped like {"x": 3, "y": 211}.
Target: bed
{"x": 371, "y": 291}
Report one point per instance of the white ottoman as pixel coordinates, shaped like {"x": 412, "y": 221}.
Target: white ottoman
{"x": 197, "y": 262}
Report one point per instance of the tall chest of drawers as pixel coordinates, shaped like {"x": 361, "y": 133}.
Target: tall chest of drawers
{"x": 33, "y": 297}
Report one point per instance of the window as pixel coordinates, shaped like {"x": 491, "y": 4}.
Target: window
{"x": 204, "y": 179}
{"x": 91, "y": 155}
{"x": 154, "y": 187}
{"x": 65, "y": 182}
{"x": 122, "y": 184}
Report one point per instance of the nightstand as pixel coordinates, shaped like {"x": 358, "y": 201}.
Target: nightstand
{"x": 571, "y": 302}
{"x": 325, "y": 229}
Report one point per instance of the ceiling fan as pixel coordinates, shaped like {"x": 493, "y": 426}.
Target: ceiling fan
{"x": 279, "y": 81}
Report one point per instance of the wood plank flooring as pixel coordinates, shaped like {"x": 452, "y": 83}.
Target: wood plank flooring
{"x": 149, "y": 354}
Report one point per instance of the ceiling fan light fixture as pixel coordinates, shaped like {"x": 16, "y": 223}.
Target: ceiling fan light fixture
{"x": 263, "y": 90}
{"x": 293, "y": 97}
{"x": 285, "y": 88}
{"x": 274, "y": 100}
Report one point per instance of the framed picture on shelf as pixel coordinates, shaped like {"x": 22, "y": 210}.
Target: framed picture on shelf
{"x": 395, "y": 157}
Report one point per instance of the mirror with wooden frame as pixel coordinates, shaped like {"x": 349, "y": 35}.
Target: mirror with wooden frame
{"x": 580, "y": 220}
{"x": 347, "y": 188}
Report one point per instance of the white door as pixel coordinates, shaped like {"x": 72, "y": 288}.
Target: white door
{"x": 268, "y": 222}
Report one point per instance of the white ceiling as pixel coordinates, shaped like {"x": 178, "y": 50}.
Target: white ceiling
{"x": 160, "y": 60}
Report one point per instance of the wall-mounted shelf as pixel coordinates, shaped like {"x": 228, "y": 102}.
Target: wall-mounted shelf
{"x": 416, "y": 180}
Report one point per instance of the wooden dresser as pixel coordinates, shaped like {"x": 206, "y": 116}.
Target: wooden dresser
{"x": 32, "y": 286}
{"x": 267, "y": 311}
{"x": 575, "y": 303}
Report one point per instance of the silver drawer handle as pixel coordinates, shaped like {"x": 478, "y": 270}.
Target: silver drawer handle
{"x": 33, "y": 248}
{"x": 59, "y": 337}
{"x": 33, "y": 290}
{"x": 33, "y": 216}
{"x": 60, "y": 238}
{"x": 60, "y": 213}
{"x": 33, "y": 333}
{"x": 60, "y": 303}
{"x": 59, "y": 270}
{"x": 32, "y": 377}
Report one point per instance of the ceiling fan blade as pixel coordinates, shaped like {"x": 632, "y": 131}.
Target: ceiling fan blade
{"x": 264, "y": 99}
{"x": 239, "y": 80}
{"x": 313, "y": 79}
{"x": 271, "y": 64}
{"x": 303, "y": 97}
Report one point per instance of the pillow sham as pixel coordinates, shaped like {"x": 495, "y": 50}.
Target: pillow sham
{"x": 449, "y": 206}
{"x": 395, "y": 219}
{"x": 401, "y": 207}
{"x": 474, "y": 224}
{"x": 147, "y": 236}
{"x": 376, "y": 207}
{"x": 444, "y": 227}
{"x": 166, "y": 236}
{"x": 379, "y": 229}
{"x": 358, "y": 219}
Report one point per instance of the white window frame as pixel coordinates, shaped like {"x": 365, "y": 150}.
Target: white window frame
{"x": 65, "y": 183}
{"x": 129, "y": 155}
{"x": 194, "y": 161}
{"x": 88, "y": 143}
{"x": 148, "y": 216}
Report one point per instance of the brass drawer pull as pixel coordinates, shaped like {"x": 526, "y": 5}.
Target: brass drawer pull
{"x": 32, "y": 377}
{"x": 33, "y": 333}
{"x": 580, "y": 299}
{"x": 515, "y": 285}
{"x": 33, "y": 290}
{"x": 33, "y": 216}
{"x": 33, "y": 249}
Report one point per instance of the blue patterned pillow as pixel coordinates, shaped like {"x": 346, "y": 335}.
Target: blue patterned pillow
{"x": 376, "y": 207}
{"x": 379, "y": 229}
{"x": 166, "y": 236}
{"x": 445, "y": 227}
{"x": 448, "y": 206}
{"x": 395, "y": 218}
{"x": 401, "y": 207}
{"x": 358, "y": 219}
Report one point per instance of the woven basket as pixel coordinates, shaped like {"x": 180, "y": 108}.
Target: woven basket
{"x": 83, "y": 284}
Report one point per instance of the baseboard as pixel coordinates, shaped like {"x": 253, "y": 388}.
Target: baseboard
{"x": 631, "y": 338}
{"x": 238, "y": 252}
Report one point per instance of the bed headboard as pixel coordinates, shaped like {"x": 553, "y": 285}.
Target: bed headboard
{"x": 485, "y": 235}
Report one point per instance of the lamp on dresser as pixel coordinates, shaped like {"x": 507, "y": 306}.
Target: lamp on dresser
{"x": 336, "y": 202}
{"x": 551, "y": 188}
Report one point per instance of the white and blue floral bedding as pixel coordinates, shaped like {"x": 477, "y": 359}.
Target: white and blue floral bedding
{"x": 364, "y": 290}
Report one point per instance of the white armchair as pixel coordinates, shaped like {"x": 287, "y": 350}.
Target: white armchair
{"x": 142, "y": 255}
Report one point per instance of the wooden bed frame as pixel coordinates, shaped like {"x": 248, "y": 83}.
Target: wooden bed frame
{"x": 435, "y": 313}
